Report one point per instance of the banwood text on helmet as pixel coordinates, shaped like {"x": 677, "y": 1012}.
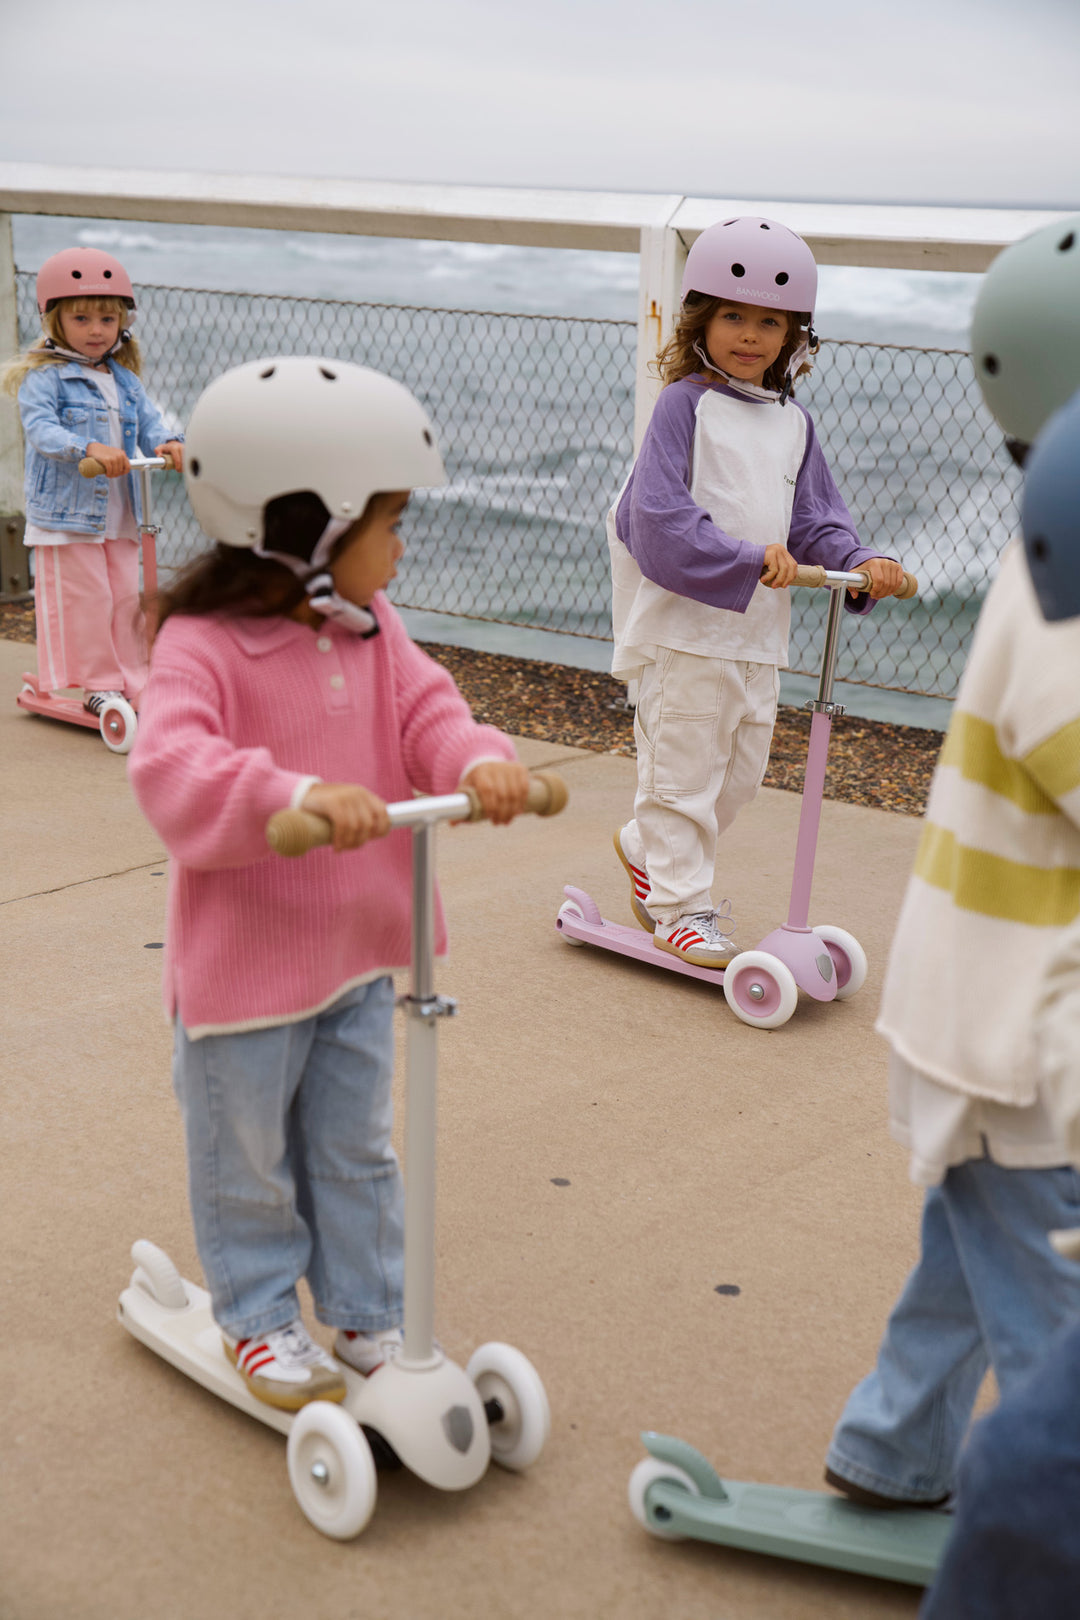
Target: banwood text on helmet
{"x": 300, "y": 422}
{"x": 82, "y": 273}
{"x": 1050, "y": 511}
{"x": 753, "y": 261}
{"x": 1025, "y": 329}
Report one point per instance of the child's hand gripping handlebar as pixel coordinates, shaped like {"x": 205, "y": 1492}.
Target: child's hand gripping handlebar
{"x": 294, "y": 832}
{"x": 810, "y": 574}
{"x": 92, "y": 468}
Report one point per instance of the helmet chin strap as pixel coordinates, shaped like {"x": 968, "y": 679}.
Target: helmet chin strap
{"x": 86, "y": 359}
{"x": 802, "y": 356}
{"x": 319, "y": 582}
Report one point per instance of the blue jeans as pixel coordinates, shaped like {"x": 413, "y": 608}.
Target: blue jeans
{"x": 1014, "y": 1550}
{"x": 988, "y": 1290}
{"x": 291, "y": 1172}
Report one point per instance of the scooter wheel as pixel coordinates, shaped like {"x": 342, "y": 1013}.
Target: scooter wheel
{"x": 760, "y": 989}
{"x": 331, "y": 1470}
{"x": 503, "y": 1374}
{"x": 651, "y": 1471}
{"x": 849, "y": 959}
{"x": 118, "y": 725}
{"x": 570, "y": 908}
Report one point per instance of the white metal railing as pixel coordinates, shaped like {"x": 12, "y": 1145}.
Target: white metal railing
{"x": 658, "y": 227}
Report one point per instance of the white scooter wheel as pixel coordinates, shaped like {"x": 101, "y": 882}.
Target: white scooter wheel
{"x": 118, "y": 725}
{"x": 760, "y": 989}
{"x": 331, "y": 1470}
{"x": 849, "y": 959}
{"x": 503, "y": 1374}
{"x": 650, "y": 1471}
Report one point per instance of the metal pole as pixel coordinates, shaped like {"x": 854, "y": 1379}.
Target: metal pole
{"x": 420, "y": 1110}
{"x": 14, "y": 557}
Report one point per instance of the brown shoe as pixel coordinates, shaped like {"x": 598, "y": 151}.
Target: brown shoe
{"x": 874, "y": 1499}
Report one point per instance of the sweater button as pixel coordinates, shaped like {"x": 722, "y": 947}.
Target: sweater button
{"x": 337, "y": 682}
{"x": 324, "y": 644}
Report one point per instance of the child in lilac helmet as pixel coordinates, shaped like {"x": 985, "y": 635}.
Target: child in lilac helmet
{"x": 729, "y": 493}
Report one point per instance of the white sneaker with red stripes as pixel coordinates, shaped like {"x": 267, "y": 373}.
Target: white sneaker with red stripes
{"x": 366, "y": 1351}
{"x": 632, "y": 854}
{"x": 699, "y": 939}
{"x": 286, "y": 1368}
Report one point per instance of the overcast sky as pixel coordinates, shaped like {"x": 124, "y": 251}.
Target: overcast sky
{"x": 962, "y": 101}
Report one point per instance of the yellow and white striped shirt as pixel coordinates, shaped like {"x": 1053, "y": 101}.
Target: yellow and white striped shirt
{"x": 997, "y": 872}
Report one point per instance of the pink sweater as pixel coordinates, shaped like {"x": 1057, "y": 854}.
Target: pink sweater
{"x": 237, "y": 712}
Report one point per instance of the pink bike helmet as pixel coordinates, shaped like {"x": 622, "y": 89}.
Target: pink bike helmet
{"x": 82, "y": 273}
{"x": 753, "y": 261}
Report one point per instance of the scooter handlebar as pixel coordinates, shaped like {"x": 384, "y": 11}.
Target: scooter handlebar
{"x": 810, "y": 574}
{"x": 90, "y": 467}
{"x": 294, "y": 832}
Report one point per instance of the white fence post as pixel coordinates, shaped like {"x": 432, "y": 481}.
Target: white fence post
{"x": 14, "y": 564}
{"x": 662, "y": 256}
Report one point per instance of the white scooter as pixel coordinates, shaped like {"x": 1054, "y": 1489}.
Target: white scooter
{"x": 443, "y": 1422}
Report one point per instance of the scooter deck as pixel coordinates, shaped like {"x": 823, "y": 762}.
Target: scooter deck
{"x": 632, "y": 942}
{"x": 810, "y": 1527}
{"x": 54, "y": 707}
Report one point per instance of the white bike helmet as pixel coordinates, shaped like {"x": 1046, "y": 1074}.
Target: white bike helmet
{"x": 296, "y": 423}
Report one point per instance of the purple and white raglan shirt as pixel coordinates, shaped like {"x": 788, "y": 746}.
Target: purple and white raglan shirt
{"x": 723, "y": 471}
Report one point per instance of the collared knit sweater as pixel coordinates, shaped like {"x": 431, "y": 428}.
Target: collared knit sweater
{"x": 236, "y": 714}
{"x": 997, "y": 873}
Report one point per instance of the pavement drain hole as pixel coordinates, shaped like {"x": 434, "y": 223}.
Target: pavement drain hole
{"x": 157, "y": 874}
{"x": 727, "y": 1288}
{"x": 155, "y": 945}
{"x": 559, "y": 1181}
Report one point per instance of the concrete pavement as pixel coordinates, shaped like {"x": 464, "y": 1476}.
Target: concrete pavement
{"x": 615, "y": 1147}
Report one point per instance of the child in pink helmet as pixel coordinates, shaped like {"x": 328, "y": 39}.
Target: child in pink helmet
{"x": 729, "y": 492}
{"x": 79, "y": 395}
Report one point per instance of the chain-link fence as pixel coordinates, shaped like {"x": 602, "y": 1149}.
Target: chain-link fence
{"x": 535, "y": 420}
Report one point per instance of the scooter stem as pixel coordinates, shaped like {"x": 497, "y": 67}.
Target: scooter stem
{"x": 423, "y": 1009}
{"x": 816, "y": 759}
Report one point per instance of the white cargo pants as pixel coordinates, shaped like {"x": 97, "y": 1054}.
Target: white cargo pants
{"x": 703, "y": 727}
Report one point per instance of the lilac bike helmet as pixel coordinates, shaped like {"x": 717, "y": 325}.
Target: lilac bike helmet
{"x": 753, "y": 261}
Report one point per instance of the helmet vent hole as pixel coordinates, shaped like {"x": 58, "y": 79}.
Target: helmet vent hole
{"x": 738, "y": 271}
{"x": 1039, "y": 549}
{"x": 76, "y": 275}
{"x": 194, "y": 466}
{"x": 107, "y": 274}
{"x": 1067, "y": 242}
{"x": 427, "y": 437}
{"x": 782, "y": 279}
{"x": 992, "y": 364}
{"x": 764, "y": 227}
{"x": 729, "y": 222}
{"x": 331, "y": 376}
{"x": 269, "y": 372}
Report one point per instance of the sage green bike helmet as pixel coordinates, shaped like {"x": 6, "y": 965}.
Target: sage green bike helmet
{"x": 1025, "y": 330}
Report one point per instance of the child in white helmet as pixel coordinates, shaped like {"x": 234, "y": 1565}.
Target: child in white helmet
{"x": 80, "y": 395}
{"x": 994, "y": 892}
{"x": 729, "y": 492}
{"x": 281, "y": 676}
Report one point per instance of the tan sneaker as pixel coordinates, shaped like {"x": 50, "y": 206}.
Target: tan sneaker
{"x": 286, "y": 1368}
{"x": 639, "y": 883}
{"x": 698, "y": 939}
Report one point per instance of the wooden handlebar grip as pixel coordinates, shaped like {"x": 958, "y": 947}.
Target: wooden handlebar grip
{"x": 811, "y": 574}
{"x": 294, "y": 832}
{"x": 90, "y": 468}
{"x": 547, "y": 794}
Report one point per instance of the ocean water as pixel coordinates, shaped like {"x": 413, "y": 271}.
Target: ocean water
{"x": 524, "y": 357}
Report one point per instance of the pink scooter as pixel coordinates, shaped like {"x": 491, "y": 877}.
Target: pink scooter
{"x": 116, "y": 722}
{"x": 827, "y": 963}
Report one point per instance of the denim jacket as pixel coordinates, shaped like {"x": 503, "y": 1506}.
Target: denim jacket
{"x": 62, "y": 412}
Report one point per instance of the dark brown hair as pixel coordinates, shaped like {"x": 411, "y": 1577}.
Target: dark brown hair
{"x": 678, "y": 359}
{"x": 234, "y": 582}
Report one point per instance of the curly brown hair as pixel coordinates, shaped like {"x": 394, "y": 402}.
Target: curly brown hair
{"x": 678, "y": 359}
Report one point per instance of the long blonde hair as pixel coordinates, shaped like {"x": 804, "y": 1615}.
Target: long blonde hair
{"x": 15, "y": 372}
{"x": 678, "y": 358}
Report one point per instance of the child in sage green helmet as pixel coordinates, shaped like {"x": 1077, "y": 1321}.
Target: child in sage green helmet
{"x": 995, "y": 888}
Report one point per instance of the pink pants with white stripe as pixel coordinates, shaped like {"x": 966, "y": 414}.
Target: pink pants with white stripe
{"x": 89, "y": 619}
